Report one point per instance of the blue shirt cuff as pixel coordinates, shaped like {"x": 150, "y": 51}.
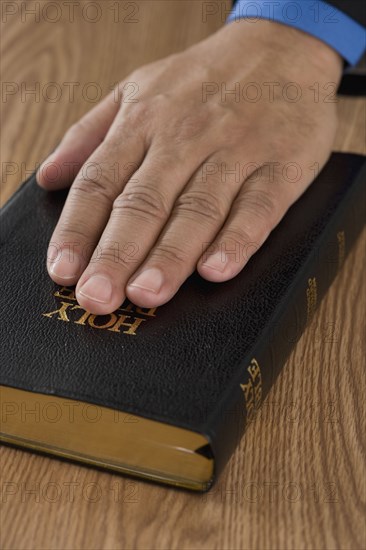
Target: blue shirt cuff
{"x": 317, "y": 18}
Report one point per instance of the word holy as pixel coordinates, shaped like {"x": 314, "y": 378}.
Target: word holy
{"x": 114, "y": 322}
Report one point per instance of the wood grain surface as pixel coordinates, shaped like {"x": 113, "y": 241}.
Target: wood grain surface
{"x": 297, "y": 480}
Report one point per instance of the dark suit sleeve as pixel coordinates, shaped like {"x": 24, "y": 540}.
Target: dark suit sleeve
{"x": 354, "y": 8}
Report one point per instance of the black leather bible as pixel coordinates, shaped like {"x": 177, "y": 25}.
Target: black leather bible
{"x": 163, "y": 394}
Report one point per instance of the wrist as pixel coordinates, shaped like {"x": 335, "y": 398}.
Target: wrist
{"x": 309, "y": 53}
{"x": 302, "y": 55}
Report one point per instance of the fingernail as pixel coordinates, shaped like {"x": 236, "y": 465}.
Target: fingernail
{"x": 98, "y": 288}
{"x": 151, "y": 280}
{"x": 67, "y": 267}
{"x": 217, "y": 261}
{"x": 53, "y": 253}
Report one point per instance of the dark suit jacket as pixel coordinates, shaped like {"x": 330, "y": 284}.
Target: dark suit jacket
{"x": 354, "y": 8}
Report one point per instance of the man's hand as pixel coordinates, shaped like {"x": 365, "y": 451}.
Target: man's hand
{"x": 191, "y": 176}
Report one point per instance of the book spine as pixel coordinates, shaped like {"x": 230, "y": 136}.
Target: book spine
{"x": 262, "y": 366}
{"x": 17, "y": 193}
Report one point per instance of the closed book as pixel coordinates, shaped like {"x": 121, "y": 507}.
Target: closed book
{"x": 162, "y": 393}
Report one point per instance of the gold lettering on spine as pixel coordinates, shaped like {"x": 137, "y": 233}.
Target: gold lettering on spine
{"x": 311, "y": 297}
{"x": 253, "y": 389}
{"x": 341, "y": 237}
{"x": 248, "y": 390}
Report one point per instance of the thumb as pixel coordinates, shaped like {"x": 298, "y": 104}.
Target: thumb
{"x": 61, "y": 167}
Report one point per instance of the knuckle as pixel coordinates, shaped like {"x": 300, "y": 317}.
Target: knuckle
{"x": 169, "y": 253}
{"x": 136, "y": 75}
{"x": 238, "y": 236}
{"x": 99, "y": 187}
{"x": 144, "y": 201}
{"x": 205, "y": 205}
{"x": 76, "y": 232}
{"x": 259, "y": 204}
{"x": 112, "y": 257}
{"x": 137, "y": 114}
{"x": 78, "y": 127}
{"x": 191, "y": 125}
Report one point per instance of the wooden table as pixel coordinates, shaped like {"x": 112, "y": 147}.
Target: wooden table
{"x": 297, "y": 479}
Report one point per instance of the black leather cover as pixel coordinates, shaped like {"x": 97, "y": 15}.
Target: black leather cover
{"x": 188, "y": 365}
